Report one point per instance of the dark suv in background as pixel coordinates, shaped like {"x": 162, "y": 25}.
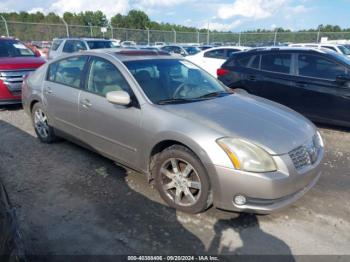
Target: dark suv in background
{"x": 314, "y": 82}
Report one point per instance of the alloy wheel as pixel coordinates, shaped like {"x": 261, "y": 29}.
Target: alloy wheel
{"x": 180, "y": 182}
{"x": 40, "y": 123}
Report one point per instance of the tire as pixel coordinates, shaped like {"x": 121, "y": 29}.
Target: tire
{"x": 43, "y": 130}
{"x": 185, "y": 188}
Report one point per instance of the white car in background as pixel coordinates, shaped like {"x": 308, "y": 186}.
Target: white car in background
{"x": 211, "y": 59}
{"x": 341, "y": 49}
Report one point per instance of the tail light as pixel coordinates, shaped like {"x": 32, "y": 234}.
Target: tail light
{"x": 222, "y": 72}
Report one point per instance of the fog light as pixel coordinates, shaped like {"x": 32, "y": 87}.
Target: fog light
{"x": 240, "y": 200}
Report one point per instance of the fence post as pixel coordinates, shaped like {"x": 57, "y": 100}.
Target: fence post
{"x": 275, "y": 38}
{"x": 208, "y": 35}
{"x": 174, "y": 36}
{"x": 5, "y": 22}
{"x": 67, "y": 27}
{"x": 318, "y": 34}
{"x": 90, "y": 25}
{"x": 111, "y": 27}
{"x": 147, "y": 35}
{"x": 197, "y": 37}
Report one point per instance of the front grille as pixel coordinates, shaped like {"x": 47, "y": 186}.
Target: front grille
{"x": 305, "y": 155}
{"x": 300, "y": 157}
{"x": 13, "y": 79}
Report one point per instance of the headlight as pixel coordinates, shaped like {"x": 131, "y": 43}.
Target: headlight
{"x": 247, "y": 156}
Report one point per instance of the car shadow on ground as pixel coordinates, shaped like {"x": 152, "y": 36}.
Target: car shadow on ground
{"x": 13, "y": 107}
{"x": 73, "y": 201}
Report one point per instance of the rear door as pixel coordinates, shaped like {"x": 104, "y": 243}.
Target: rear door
{"x": 111, "y": 129}
{"x": 61, "y": 93}
{"x": 276, "y": 81}
{"x": 321, "y": 97}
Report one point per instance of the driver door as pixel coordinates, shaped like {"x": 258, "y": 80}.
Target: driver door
{"x": 112, "y": 130}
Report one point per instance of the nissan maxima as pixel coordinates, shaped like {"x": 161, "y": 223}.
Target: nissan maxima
{"x": 201, "y": 143}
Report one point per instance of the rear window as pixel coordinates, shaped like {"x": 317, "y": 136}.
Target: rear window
{"x": 217, "y": 53}
{"x": 100, "y": 44}
{"x": 13, "y": 48}
{"x": 279, "y": 63}
{"x": 67, "y": 71}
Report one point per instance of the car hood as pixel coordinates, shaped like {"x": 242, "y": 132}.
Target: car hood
{"x": 272, "y": 126}
{"x": 11, "y": 63}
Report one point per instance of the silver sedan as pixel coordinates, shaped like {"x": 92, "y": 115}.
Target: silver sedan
{"x": 201, "y": 143}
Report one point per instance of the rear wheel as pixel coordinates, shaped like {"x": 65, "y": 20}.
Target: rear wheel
{"x": 182, "y": 180}
{"x": 42, "y": 128}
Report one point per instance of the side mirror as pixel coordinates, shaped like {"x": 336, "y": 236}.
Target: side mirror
{"x": 119, "y": 98}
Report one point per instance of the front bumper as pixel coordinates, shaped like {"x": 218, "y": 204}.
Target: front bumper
{"x": 6, "y": 97}
{"x": 265, "y": 192}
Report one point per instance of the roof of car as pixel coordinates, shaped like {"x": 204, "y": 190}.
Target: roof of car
{"x": 83, "y": 38}
{"x": 314, "y": 44}
{"x": 134, "y": 54}
{"x": 289, "y": 48}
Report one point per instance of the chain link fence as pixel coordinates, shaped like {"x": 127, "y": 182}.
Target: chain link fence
{"x": 46, "y": 32}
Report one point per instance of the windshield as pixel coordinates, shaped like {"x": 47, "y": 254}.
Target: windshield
{"x": 100, "y": 44}
{"x": 13, "y": 48}
{"x": 192, "y": 50}
{"x": 175, "y": 81}
{"x": 344, "y": 50}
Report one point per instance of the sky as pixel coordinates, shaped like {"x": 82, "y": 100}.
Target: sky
{"x": 222, "y": 15}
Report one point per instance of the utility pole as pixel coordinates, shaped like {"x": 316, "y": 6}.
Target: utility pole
{"x": 6, "y": 28}
{"x": 91, "y": 34}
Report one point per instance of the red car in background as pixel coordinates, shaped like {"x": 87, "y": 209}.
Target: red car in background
{"x": 16, "y": 61}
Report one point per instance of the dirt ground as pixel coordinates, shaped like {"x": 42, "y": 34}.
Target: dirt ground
{"x": 72, "y": 201}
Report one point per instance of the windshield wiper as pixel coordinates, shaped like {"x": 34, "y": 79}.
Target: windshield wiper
{"x": 215, "y": 94}
{"x": 175, "y": 101}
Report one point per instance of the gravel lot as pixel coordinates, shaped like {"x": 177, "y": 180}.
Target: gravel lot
{"x": 72, "y": 201}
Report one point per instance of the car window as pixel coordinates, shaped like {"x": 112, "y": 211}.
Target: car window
{"x": 217, "y": 53}
{"x": 104, "y": 77}
{"x": 279, "y": 63}
{"x": 98, "y": 44}
{"x": 229, "y": 52}
{"x": 71, "y": 46}
{"x": 255, "y": 62}
{"x": 319, "y": 67}
{"x": 56, "y": 44}
{"x": 330, "y": 48}
{"x": 67, "y": 71}
{"x": 14, "y": 48}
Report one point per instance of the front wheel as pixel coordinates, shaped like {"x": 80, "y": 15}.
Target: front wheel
{"x": 42, "y": 128}
{"x": 182, "y": 180}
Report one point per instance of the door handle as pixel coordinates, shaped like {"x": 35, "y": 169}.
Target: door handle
{"x": 251, "y": 77}
{"x": 48, "y": 90}
{"x": 86, "y": 103}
